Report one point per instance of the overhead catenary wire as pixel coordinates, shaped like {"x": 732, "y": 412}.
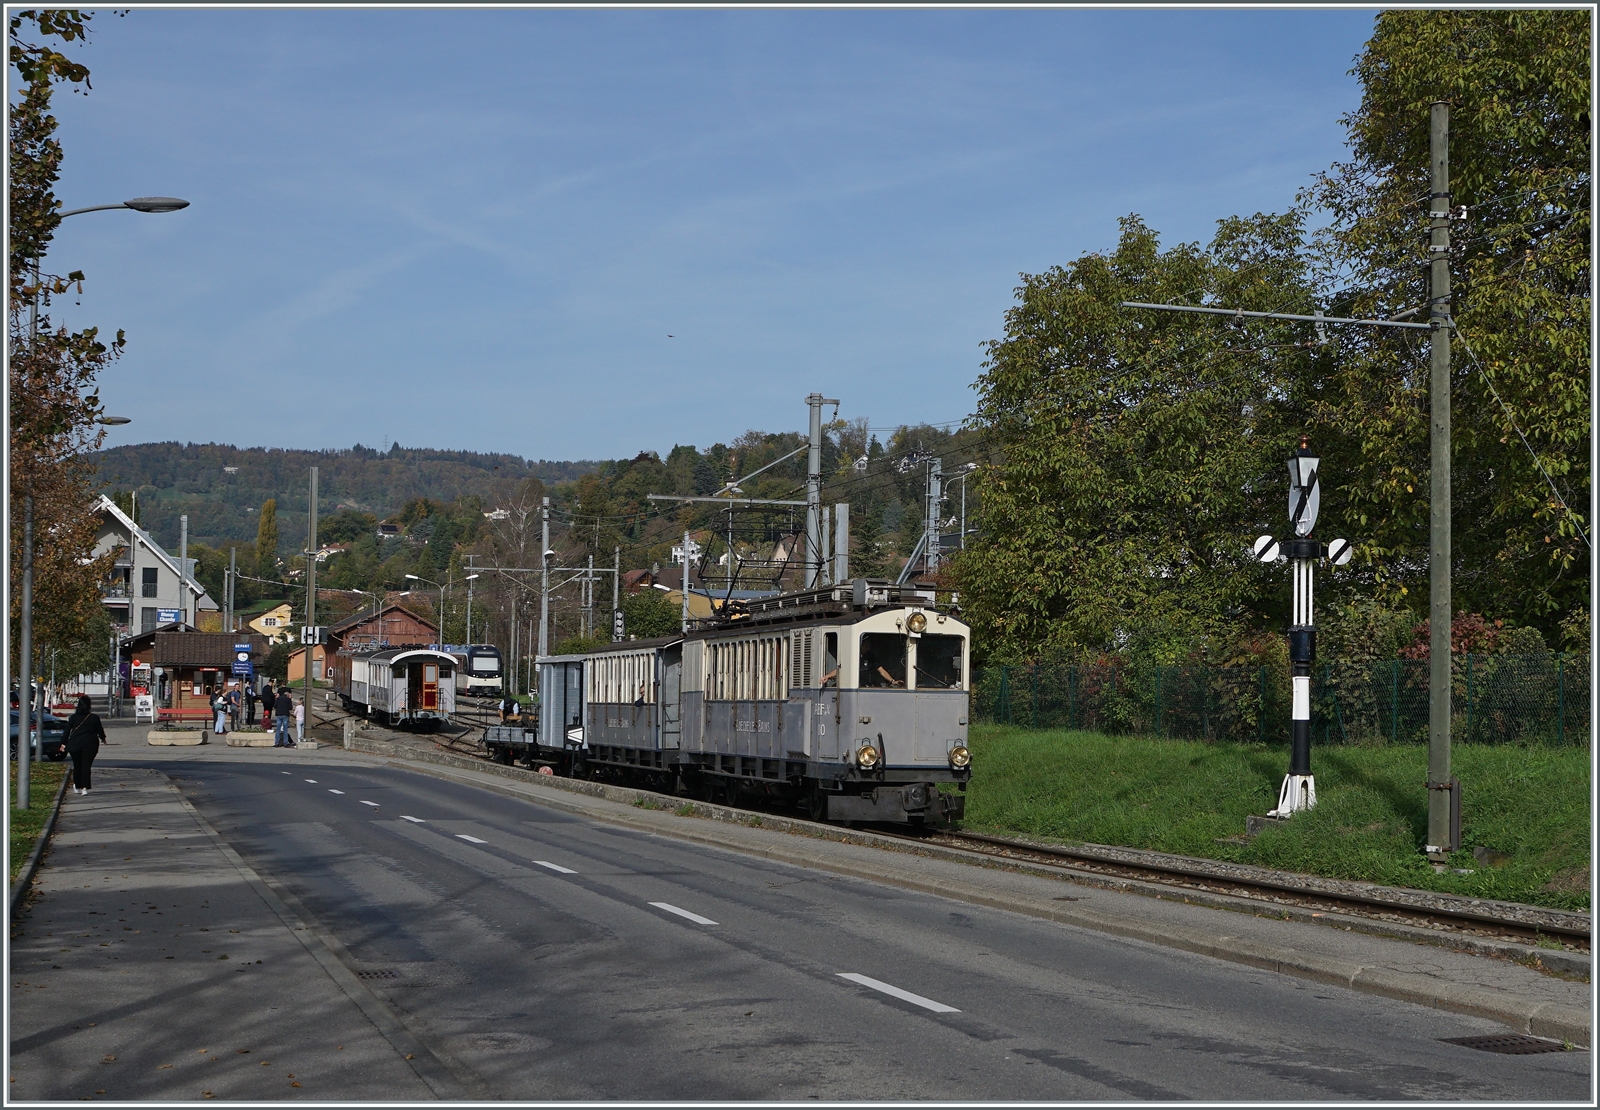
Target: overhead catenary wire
{"x": 1512, "y": 420}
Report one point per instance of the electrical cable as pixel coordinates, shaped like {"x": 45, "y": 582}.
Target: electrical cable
{"x": 1576, "y": 522}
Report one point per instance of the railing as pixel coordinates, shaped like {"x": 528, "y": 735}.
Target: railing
{"x": 1494, "y": 699}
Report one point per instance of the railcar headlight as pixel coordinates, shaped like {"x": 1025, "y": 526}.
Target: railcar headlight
{"x": 867, "y": 757}
{"x": 917, "y": 622}
{"x": 960, "y": 758}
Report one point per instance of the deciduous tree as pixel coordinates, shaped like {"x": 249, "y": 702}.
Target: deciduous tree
{"x": 53, "y": 372}
{"x": 1137, "y": 452}
{"x": 1518, "y": 87}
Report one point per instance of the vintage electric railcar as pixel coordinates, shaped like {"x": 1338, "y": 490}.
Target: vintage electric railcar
{"x": 479, "y": 673}
{"x": 851, "y": 700}
{"x": 407, "y": 687}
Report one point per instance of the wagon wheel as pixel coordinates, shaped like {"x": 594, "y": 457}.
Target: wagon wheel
{"x": 816, "y": 804}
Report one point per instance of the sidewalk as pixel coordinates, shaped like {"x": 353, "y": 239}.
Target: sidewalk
{"x": 152, "y": 963}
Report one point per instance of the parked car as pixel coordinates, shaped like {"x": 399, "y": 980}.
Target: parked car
{"x": 51, "y": 743}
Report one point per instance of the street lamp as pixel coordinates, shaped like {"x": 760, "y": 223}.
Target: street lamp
{"x": 470, "y": 577}
{"x": 24, "y": 677}
{"x": 966, "y": 472}
{"x": 431, "y": 582}
{"x": 137, "y": 204}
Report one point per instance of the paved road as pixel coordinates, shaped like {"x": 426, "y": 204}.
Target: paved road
{"x": 552, "y": 956}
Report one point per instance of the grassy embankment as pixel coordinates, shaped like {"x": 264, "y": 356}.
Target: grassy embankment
{"x": 1530, "y": 803}
{"x": 44, "y": 779}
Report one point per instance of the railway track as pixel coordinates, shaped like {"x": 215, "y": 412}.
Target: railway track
{"x": 1399, "y": 905}
{"x": 1434, "y": 910}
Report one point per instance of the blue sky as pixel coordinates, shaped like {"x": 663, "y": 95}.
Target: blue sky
{"x": 477, "y": 229}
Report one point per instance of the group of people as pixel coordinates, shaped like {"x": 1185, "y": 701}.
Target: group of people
{"x": 279, "y": 706}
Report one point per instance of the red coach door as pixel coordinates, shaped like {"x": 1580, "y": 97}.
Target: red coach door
{"x": 430, "y": 686}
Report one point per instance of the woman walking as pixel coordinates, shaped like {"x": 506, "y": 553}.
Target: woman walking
{"x": 84, "y": 734}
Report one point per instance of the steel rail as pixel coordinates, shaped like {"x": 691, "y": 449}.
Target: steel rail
{"x": 1181, "y": 874}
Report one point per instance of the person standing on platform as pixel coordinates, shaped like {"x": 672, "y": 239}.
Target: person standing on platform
{"x": 84, "y": 734}
{"x": 233, "y": 708}
{"x": 300, "y": 721}
{"x": 283, "y": 712}
{"x": 219, "y": 706}
{"x": 250, "y": 700}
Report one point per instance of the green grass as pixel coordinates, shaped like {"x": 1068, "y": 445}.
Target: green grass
{"x": 1370, "y": 822}
{"x": 44, "y": 779}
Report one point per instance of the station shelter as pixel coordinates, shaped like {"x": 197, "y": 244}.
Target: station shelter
{"x": 184, "y": 669}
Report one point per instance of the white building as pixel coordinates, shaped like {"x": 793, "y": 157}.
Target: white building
{"x": 694, "y": 552}
{"x": 145, "y": 580}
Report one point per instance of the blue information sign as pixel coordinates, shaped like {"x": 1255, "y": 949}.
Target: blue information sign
{"x": 246, "y": 669}
{"x": 169, "y": 616}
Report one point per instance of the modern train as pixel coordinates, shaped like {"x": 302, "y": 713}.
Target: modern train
{"x": 479, "y": 675}
{"x": 851, "y": 700}
{"x": 405, "y": 687}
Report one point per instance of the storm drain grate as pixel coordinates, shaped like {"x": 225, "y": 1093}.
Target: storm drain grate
{"x": 390, "y": 973}
{"x": 1508, "y": 1044}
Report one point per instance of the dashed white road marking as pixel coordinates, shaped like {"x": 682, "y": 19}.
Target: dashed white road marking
{"x": 285, "y": 772}
{"x": 313, "y": 782}
{"x": 670, "y": 908}
{"x": 555, "y": 867}
{"x": 470, "y": 839}
{"x": 367, "y": 803}
{"x": 413, "y": 820}
{"x": 335, "y": 791}
{"x": 896, "y": 992}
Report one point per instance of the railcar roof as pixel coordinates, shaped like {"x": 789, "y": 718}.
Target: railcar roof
{"x": 637, "y": 645}
{"x": 394, "y": 655}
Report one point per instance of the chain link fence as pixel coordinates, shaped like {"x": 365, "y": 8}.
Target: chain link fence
{"x": 1495, "y": 699}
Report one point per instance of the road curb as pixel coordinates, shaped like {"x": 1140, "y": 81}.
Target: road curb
{"x": 1536, "y": 1018}
{"x": 29, "y": 869}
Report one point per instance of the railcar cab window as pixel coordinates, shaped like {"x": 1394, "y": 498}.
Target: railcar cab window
{"x": 938, "y": 662}
{"x": 883, "y": 660}
{"x": 830, "y": 660}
